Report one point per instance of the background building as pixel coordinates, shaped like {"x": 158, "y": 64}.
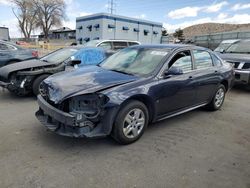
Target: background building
{"x": 4, "y": 33}
{"x": 63, "y": 33}
{"x": 109, "y": 26}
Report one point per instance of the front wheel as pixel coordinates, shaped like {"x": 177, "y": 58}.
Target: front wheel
{"x": 37, "y": 82}
{"x": 131, "y": 122}
{"x": 218, "y": 99}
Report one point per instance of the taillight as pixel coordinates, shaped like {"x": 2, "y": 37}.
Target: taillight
{"x": 35, "y": 53}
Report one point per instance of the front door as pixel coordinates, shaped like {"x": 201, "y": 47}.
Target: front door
{"x": 177, "y": 92}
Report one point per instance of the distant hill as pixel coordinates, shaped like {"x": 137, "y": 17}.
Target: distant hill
{"x": 208, "y": 28}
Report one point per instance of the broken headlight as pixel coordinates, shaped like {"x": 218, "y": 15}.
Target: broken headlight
{"x": 87, "y": 107}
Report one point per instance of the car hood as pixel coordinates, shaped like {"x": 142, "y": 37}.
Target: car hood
{"x": 85, "y": 80}
{"x": 231, "y": 57}
{"x": 33, "y": 63}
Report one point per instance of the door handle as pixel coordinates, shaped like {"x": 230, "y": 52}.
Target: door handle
{"x": 216, "y": 71}
{"x": 190, "y": 77}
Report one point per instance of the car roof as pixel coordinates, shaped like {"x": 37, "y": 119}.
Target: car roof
{"x": 169, "y": 46}
{"x": 115, "y": 40}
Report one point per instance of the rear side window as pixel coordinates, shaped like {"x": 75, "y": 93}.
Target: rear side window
{"x": 119, "y": 45}
{"x": 202, "y": 59}
{"x": 132, "y": 43}
{"x": 217, "y": 61}
{"x": 182, "y": 60}
{"x": 105, "y": 45}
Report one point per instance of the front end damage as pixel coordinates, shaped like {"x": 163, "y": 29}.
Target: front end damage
{"x": 88, "y": 115}
{"x": 21, "y": 82}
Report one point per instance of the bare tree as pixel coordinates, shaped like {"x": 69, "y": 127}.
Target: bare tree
{"x": 50, "y": 13}
{"x": 26, "y": 15}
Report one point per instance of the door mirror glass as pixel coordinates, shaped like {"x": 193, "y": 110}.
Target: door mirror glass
{"x": 173, "y": 71}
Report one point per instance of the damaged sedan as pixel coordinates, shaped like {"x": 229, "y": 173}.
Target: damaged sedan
{"x": 132, "y": 88}
{"x": 25, "y": 77}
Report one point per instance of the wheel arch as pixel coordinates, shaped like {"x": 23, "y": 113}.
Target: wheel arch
{"x": 147, "y": 101}
{"x": 225, "y": 83}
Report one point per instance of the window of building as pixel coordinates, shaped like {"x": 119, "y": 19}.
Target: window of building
{"x": 182, "y": 60}
{"x": 136, "y": 30}
{"x": 202, "y": 59}
{"x": 146, "y": 32}
{"x": 125, "y": 28}
{"x": 111, "y": 26}
{"x": 89, "y": 27}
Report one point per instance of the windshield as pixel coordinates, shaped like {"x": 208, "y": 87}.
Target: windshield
{"x": 59, "y": 55}
{"x": 222, "y": 46}
{"x": 92, "y": 43}
{"x": 240, "y": 47}
{"x": 140, "y": 62}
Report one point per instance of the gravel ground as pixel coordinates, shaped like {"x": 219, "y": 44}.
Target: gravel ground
{"x": 198, "y": 149}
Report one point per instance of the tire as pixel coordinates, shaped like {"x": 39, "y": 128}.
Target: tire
{"x": 136, "y": 113}
{"x": 218, "y": 99}
{"x": 37, "y": 82}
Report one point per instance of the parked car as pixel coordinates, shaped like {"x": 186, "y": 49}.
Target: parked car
{"x": 11, "y": 53}
{"x": 225, "y": 44}
{"x": 238, "y": 54}
{"x": 25, "y": 77}
{"x": 112, "y": 45}
{"x": 132, "y": 88}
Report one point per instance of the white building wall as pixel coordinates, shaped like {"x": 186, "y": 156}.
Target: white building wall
{"x": 104, "y": 32}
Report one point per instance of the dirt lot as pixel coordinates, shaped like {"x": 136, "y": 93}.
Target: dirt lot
{"x": 198, "y": 149}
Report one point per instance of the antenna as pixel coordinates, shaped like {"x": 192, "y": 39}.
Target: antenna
{"x": 111, "y": 6}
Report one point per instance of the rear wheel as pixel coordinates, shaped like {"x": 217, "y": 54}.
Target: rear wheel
{"x": 37, "y": 82}
{"x": 131, "y": 122}
{"x": 218, "y": 98}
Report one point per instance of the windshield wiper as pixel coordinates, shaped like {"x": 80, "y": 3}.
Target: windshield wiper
{"x": 44, "y": 60}
{"x": 123, "y": 72}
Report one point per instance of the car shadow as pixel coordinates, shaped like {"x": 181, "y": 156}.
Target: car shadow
{"x": 241, "y": 88}
{"x": 55, "y": 141}
{"x": 6, "y": 95}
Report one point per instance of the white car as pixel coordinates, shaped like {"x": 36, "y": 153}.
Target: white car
{"x": 112, "y": 45}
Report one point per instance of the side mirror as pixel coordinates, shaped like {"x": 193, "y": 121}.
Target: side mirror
{"x": 222, "y": 51}
{"x": 173, "y": 71}
{"x": 75, "y": 62}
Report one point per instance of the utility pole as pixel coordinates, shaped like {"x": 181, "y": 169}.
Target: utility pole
{"x": 111, "y": 6}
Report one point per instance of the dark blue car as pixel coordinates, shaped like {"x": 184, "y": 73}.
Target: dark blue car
{"x": 132, "y": 88}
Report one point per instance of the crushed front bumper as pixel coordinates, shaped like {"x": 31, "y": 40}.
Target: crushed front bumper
{"x": 242, "y": 77}
{"x": 64, "y": 124}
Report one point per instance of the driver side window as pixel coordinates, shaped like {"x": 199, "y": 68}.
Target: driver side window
{"x": 182, "y": 60}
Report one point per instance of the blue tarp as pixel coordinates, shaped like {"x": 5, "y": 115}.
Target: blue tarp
{"x": 90, "y": 56}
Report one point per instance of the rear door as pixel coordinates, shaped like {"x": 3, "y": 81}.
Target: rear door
{"x": 206, "y": 75}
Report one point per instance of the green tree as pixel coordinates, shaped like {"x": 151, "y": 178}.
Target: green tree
{"x": 179, "y": 34}
{"x": 164, "y": 32}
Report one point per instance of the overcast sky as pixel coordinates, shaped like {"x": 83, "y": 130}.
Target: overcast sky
{"x": 172, "y": 13}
